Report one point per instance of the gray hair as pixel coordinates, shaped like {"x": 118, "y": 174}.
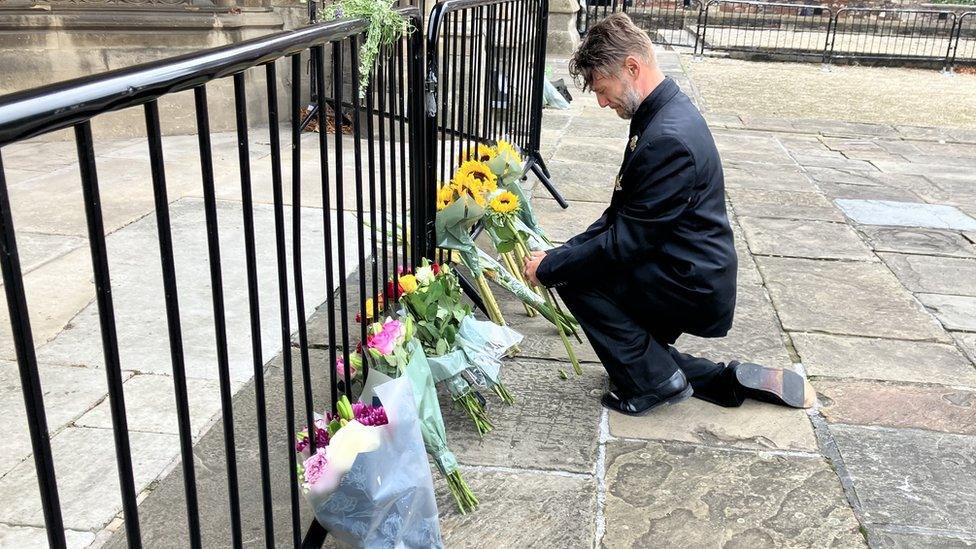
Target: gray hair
{"x": 605, "y": 47}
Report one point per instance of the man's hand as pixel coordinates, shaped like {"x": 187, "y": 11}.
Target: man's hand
{"x": 532, "y": 265}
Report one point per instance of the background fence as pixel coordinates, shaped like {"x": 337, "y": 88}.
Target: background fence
{"x": 805, "y": 31}
{"x": 372, "y": 161}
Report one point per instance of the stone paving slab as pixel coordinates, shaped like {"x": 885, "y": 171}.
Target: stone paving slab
{"x": 902, "y": 214}
{"x": 911, "y": 240}
{"x": 138, "y": 293}
{"x": 522, "y": 509}
{"x": 88, "y": 490}
{"x": 757, "y": 176}
{"x": 533, "y": 433}
{"x": 14, "y": 537}
{"x": 866, "y": 178}
{"x": 855, "y": 298}
{"x": 754, "y": 425}
{"x": 804, "y": 238}
{"x": 884, "y": 359}
{"x": 902, "y": 540}
{"x": 591, "y": 149}
{"x": 560, "y": 224}
{"x": 70, "y": 276}
{"x": 932, "y": 486}
{"x": 853, "y": 191}
{"x": 929, "y": 407}
{"x": 68, "y": 393}
{"x": 739, "y": 148}
{"x": 783, "y": 204}
{"x": 693, "y": 496}
{"x": 955, "y": 312}
{"x": 150, "y": 405}
{"x": 968, "y": 344}
{"x": 36, "y": 249}
{"x": 936, "y": 275}
{"x": 754, "y": 337}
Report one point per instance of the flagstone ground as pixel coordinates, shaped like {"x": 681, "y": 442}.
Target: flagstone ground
{"x": 879, "y": 313}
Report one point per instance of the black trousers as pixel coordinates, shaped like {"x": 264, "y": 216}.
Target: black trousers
{"x": 635, "y": 346}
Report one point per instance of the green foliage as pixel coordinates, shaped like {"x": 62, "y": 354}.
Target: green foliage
{"x": 386, "y": 26}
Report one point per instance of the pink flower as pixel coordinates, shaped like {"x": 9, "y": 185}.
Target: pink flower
{"x": 315, "y": 468}
{"x": 341, "y": 369}
{"x": 386, "y": 340}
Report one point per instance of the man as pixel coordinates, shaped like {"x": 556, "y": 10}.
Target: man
{"x": 660, "y": 261}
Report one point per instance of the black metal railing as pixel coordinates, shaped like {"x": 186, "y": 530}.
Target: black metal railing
{"x": 802, "y": 31}
{"x": 388, "y": 185}
{"x": 485, "y": 75}
{"x": 796, "y": 31}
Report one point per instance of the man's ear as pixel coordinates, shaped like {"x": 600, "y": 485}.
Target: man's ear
{"x": 632, "y": 67}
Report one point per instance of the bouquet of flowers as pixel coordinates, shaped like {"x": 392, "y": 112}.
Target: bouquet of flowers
{"x": 441, "y": 316}
{"x": 368, "y": 480}
{"x": 394, "y": 354}
{"x": 507, "y": 165}
{"x": 500, "y": 218}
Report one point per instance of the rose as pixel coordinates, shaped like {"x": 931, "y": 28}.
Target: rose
{"x": 383, "y": 342}
{"x": 315, "y": 468}
{"x": 408, "y": 284}
{"x": 425, "y": 275}
{"x": 341, "y": 367}
{"x": 436, "y": 268}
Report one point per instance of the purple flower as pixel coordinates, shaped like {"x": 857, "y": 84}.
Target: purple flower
{"x": 321, "y": 437}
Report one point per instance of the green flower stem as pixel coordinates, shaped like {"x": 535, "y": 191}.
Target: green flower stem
{"x": 503, "y": 393}
{"x": 463, "y": 496}
{"x": 560, "y": 327}
{"x": 470, "y": 404}
{"x": 513, "y": 268}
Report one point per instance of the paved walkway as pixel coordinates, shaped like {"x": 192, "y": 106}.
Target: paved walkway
{"x": 857, "y": 266}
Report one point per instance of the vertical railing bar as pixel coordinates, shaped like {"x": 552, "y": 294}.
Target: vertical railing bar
{"x": 443, "y": 88}
{"x": 509, "y": 53}
{"x": 254, "y": 305}
{"x": 280, "y": 256}
{"x": 490, "y": 42}
{"x": 528, "y": 36}
{"x": 478, "y": 128}
{"x": 371, "y": 159}
{"x": 422, "y": 205}
{"x": 161, "y": 202}
{"x": 391, "y": 89}
{"x": 463, "y": 98}
{"x": 30, "y": 382}
{"x": 381, "y": 119}
{"x": 339, "y": 199}
{"x": 326, "y": 207}
{"x": 360, "y": 212}
{"x": 106, "y": 318}
{"x": 453, "y": 149}
{"x": 216, "y": 282}
{"x": 473, "y": 135}
{"x": 401, "y": 100}
{"x": 523, "y": 34}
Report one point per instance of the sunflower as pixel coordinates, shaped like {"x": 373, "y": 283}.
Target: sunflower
{"x": 505, "y": 147}
{"x": 479, "y": 153}
{"x": 445, "y": 197}
{"x": 506, "y": 202}
{"x": 479, "y": 171}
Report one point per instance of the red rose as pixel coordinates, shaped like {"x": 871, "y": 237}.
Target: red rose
{"x": 436, "y": 268}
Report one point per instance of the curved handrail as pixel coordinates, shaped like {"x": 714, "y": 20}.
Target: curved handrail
{"x": 36, "y": 111}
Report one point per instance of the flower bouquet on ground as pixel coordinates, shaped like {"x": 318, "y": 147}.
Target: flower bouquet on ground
{"x": 368, "y": 480}
{"x": 500, "y": 217}
{"x": 398, "y": 355}
{"x": 460, "y": 206}
{"x": 444, "y": 323}
{"x": 509, "y": 169}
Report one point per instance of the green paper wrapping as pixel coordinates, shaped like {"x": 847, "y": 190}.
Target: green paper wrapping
{"x": 453, "y": 226}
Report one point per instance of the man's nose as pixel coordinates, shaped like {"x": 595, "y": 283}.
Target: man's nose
{"x": 602, "y": 101}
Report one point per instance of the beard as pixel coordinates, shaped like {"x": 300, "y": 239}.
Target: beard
{"x": 630, "y": 103}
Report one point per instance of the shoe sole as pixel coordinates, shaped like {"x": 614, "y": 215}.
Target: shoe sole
{"x": 786, "y": 386}
{"x": 682, "y": 396}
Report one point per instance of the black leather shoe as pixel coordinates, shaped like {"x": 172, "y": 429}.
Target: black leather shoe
{"x": 671, "y": 391}
{"x": 777, "y": 385}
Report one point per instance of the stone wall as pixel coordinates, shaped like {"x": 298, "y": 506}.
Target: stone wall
{"x": 52, "y": 42}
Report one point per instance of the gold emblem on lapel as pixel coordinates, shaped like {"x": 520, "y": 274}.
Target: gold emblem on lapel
{"x": 616, "y": 183}
{"x": 633, "y": 143}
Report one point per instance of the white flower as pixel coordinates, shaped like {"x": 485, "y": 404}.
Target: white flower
{"x": 424, "y": 275}
{"x": 350, "y": 441}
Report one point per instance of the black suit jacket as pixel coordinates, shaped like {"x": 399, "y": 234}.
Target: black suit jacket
{"x": 664, "y": 244}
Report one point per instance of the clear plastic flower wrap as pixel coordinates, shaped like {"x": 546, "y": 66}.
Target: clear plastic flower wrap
{"x": 386, "y": 498}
